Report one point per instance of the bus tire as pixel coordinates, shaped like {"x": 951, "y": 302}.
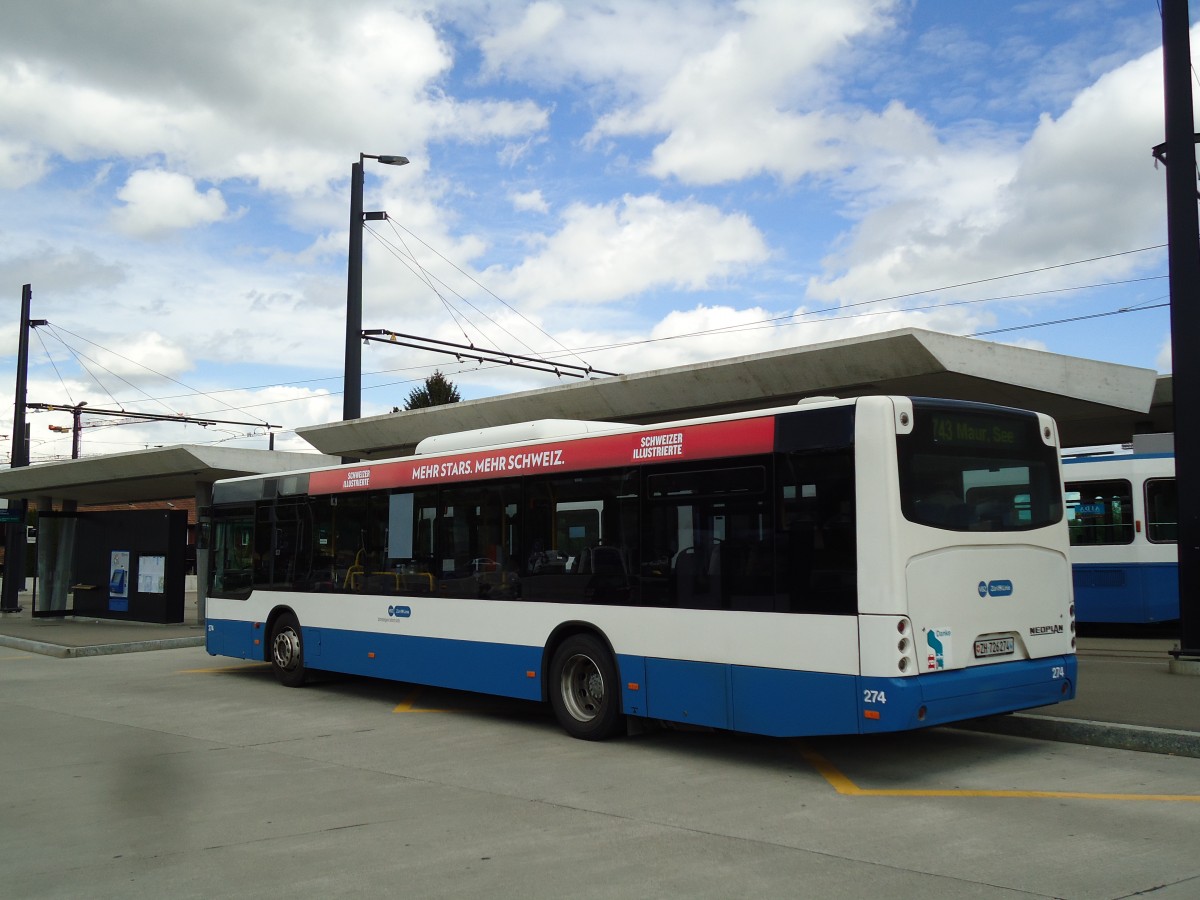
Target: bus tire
{"x": 287, "y": 651}
{"x": 584, "y": 692}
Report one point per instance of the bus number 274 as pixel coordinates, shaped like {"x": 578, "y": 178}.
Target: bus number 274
{"x": 874, "y": 697}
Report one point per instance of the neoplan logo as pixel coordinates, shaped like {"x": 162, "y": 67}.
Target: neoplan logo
{"x": 1045, "y": 629}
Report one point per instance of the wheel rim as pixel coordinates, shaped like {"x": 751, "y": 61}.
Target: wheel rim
{"x": 582, "y": 688}
{"x": 286, "y": 649}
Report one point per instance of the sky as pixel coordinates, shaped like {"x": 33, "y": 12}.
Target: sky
{"x": 627, "y": 185}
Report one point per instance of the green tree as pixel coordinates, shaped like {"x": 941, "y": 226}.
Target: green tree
{"x": 436, "y": 390}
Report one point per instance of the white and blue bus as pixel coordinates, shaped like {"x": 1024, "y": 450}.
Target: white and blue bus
{"x": 1123, "y": 521}
{"x": 834, "y": 567}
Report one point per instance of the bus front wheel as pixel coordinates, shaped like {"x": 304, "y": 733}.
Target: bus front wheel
{"x": 583, "y": 689}
{"x": 287, "y": 651}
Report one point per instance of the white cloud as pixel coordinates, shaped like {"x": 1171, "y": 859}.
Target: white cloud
{"x": 615, "y": 251}
{"x": 20, "y": 164}
{"x": 750, "y": 102}
{"x": 280, "y": 93}
{"x": 158, "y": 202}
{"x": 529, "y": 201}
{"x": 942, "y": 212}
{"x": 1163, "y": 361}
{"x": 626, "y": 46}
{"x": 141, "y": 354}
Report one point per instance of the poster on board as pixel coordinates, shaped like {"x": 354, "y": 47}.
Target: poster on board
{"x": 118, "y": 581}
{"x": 151, "y": 574}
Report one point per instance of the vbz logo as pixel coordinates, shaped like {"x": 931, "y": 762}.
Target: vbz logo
{"x": 399, "y": 612}
{"x": 1000, "y": 588}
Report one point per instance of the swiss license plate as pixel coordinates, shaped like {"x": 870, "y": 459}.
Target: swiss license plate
{"x": 995, "y": 647}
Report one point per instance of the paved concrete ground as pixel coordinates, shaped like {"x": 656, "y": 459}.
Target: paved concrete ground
{"x": 176, "y": 774}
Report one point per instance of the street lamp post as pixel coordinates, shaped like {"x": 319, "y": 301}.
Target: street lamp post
{"x": 352, "y": 381}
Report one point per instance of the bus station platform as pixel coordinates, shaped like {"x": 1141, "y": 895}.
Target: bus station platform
{"x": 1127, "y": 697}
{"x": 73, "y": 636}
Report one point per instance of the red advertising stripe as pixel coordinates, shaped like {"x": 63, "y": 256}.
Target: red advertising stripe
{"x": 689, "y": 442}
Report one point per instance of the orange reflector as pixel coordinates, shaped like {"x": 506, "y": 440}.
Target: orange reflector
{"x": 531, "y": 674}
{"x": 371, "y": 655}
{"x": 870, "y": 714}
{"x": 257, "y": 642}
{"x": 634, "y": 686}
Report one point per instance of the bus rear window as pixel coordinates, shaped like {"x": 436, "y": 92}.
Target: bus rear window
{"x": 977, "y": 469}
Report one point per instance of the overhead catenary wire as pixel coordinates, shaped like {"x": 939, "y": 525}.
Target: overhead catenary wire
{"x": 142, "y": 365}
{"x": 408, "y": 258}
{"x": 491, "y": 293}
{"x": 481, "y": 354}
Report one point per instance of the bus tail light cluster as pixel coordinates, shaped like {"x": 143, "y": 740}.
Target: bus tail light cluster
{"x": 1072, "y": 612}
{"x": 904, "y": 646}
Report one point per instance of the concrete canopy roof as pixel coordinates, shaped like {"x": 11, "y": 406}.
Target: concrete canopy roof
{"x": 1094, "y": 402}
{"x": 164, "y": 473}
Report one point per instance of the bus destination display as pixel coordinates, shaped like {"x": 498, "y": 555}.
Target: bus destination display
{"x": 961, "y": 431}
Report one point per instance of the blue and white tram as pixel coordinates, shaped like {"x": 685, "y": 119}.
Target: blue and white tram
{"x": 1122, "y": 516}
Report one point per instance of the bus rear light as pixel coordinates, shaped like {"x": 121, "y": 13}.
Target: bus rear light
{"x": 921, "y": 714}
{"x": 1066, "y": 688}
{"x": 1072, "y": 642}
{"x": 903, "y": 645}
{"x": 1071, "y": 610}
{"x": 902, "y": 626}
{"x": 903, "y": 664}
{"x": 1072, "y": 626}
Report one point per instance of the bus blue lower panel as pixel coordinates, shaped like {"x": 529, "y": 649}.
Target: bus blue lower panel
{"x": 241, "y": 640}
{"x": 1126, "y": 593}
{"x": 965, "y": 693}
{"x": 501, "y": 669}
{"x": 783, "y": 703}
{"x": 775, "y": 702}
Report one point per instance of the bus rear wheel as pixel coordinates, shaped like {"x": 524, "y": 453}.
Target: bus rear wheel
{"x": 287, "y": 651}
{"x": 583, "y": 689}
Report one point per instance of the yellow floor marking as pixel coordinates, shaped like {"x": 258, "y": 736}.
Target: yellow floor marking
{"x": 12, "y": 658}
{"x": 406, "y": 705}
{"x": 844, "y": 785}
{"x": 218, "y": 669}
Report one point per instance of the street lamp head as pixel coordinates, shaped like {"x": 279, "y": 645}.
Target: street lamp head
{"x": 389, "y": 160}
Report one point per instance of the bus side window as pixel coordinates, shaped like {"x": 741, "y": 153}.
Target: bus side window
{"x": 817, "y": 565}
{"x": 474, "y": 541}
{"x": 709, "y": 538}
{"x": 581, "y": 532}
